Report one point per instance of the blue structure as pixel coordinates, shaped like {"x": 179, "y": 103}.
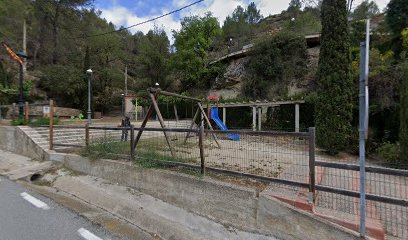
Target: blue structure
{"x": 221, "y": 125}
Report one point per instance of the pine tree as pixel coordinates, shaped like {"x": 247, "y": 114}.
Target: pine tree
{"x": 334, "y": 105}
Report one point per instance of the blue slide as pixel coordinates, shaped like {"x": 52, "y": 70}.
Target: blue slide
{"x": 221, "y": 125}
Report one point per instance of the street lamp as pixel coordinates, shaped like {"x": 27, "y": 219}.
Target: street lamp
{"x": 89, "y": 74}
{"x": 123, "y": 98}
{"x": 156, "y": 85}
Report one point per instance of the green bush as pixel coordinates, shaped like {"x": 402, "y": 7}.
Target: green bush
{"x": 45, "y": 121}
{"x": 275, "y": 62}
{"x": 390, "y": 152}
{"x": 19, "y": 121}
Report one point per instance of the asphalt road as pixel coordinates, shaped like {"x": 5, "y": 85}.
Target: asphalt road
{"x": 32, "y": 216}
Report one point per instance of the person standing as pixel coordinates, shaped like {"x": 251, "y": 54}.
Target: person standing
{"x": 125, "y": 124}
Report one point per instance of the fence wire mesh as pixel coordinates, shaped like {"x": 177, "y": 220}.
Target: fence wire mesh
{"x": 265, "y": 154}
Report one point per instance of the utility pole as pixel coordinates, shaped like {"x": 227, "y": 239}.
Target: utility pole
{"x": 24, "y": 46}
{"x": 126, "y": 90}
{"x": 363, "y": 123}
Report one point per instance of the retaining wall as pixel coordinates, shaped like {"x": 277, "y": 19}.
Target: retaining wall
{"x": 241, "y": 207}
{"x": 13, "y": 139}
{"x": 229, "y": 204}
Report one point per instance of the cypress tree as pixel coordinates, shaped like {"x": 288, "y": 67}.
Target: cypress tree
{"x": 403, "y": 134}
{"x": 334, "y": 83}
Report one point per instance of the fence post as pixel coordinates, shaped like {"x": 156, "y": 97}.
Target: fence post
{"x": 312, "y": 149}
{"x": 132, "y": 139}
{"x": 51, "y": 115}
{"x": 87, "y": 134}
{"x": 201, "y": 143}
{"x": 26, "y": 112}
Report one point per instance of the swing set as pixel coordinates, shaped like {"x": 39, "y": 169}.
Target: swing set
{"x": 154, "y": 94}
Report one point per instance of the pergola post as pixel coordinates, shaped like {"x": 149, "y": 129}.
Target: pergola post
{"x": 297, "y": 117}
{"x": 260, "y": 119}
{"x": 224, "y": 115}
{"x": 253, "y": 118}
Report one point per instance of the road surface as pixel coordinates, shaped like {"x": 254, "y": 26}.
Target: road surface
{"x": 25, "y": 215}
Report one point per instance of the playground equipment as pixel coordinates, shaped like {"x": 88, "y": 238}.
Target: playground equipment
{"x": 221, "y": 125}
{"x": 213, "y": 115}
{"x": 153, "y": 95}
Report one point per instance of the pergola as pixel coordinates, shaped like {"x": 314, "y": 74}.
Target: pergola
{"x": 257, "y": 107}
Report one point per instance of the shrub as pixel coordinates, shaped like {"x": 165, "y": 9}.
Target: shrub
{"x": 45, "y": 121}
{"x": 274, "y": 63}
{"x": 390, "y": 152}
{"x": 19, "y": 121}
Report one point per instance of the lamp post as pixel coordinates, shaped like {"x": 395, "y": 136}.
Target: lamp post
{"x": 123, "y": 99}
{"x": 20, "y": 99}
{"x": 89, "y": 74}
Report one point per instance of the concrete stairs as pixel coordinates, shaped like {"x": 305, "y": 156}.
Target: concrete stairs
{"x": 76, "y": 136}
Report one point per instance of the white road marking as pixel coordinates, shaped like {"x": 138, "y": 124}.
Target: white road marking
{"x": 87, "y": 234}
{"x": 34, "y": 201}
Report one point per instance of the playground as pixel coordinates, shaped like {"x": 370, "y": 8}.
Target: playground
{"x": 294, "y": 170}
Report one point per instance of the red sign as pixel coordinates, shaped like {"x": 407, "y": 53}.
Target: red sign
{"x": 12, "y": 54}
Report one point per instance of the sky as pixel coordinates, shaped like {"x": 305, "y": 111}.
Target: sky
{"x": 130, "y": 12}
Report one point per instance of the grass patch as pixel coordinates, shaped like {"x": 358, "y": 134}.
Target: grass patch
{"x": 150, "y": 158}
{"x": 106, "y": 148}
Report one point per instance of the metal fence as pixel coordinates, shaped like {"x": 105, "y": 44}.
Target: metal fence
{"x": 288, "y": 161}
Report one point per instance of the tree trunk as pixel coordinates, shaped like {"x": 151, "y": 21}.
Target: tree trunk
{"x": 55, "y": 34}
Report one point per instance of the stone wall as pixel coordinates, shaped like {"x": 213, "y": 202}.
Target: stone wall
{"x": 37, "y": 111}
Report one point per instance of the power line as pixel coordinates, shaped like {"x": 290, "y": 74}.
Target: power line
{"x": 144, "y": 22}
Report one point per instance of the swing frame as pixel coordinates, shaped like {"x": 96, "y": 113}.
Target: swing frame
{"x": 154, "y": 93}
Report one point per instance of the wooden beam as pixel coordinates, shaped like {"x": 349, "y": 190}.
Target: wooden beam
{"x": 156, "y": 107}
{"x": 192, "y": 124}
{"x": 146, "y": 118}
{"x": 253, "y": 118}
{"x": 175, "y": 112}
{"x": 259, "y": 119}
{"x": 209, "y": 123}
{"x": 297, "y": 117}
{"x": 259, "y": 104}
{"x": 224, "y": 115}
{"x": 51, "y": 116}
{"x": 158, "y": 90}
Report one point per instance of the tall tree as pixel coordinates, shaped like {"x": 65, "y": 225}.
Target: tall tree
{"x": 253, "y": 15}
{"x": 397, "y": 16}
{"x": 153, "y": 57}
{"x": 192, "y": 43}
{"x": 334, "y": 105}
{"x": 365, "y": 10}
{"x": 242, "y": 22}
{"x": 403, "y": 134}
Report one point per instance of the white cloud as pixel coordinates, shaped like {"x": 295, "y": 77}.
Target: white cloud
{"x": 121, "y": 16}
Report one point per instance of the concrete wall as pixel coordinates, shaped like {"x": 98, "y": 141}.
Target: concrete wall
{"x": 37, "y": 111}
{"x": 229, "y": 204}
{"x": 13, "y": 139}
{"x": 222, "y": 202}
